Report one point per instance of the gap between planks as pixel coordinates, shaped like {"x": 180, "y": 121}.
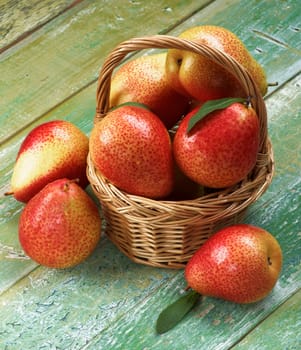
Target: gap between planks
{"x": 263, "y": 319}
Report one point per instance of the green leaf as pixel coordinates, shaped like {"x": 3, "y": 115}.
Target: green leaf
{"x": 211, "y": 106}
{"x": 174, "y": 313}
{"x": 131, "y": 103}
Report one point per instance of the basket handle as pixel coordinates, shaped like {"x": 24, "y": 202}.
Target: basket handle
{"x": 170, "y": 42}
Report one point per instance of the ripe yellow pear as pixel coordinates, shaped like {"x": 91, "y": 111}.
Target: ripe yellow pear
{"x": 199, "y": 77}
{"x": 52, "y": 150}
{"x": 143, "y": 80}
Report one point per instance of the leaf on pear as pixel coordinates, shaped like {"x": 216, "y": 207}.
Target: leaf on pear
{"x": 211, "y": 106}
{"x": 174, "y": 313}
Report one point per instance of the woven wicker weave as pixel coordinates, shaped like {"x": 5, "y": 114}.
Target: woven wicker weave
{"x": 167, "y": 233}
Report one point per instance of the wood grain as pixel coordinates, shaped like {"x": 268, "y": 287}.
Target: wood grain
{"x": 20, "y": 18}
{"x": 214, "y": 324}
{"x": 65, "y": 55}
{"x": 108, "y": 301}
{"x": 281, "y": 330}
{"x": 43, "y": 76}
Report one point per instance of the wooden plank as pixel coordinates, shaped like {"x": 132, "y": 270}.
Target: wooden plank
{"x": 109, "y": 287}
{"x": 271, "y": 31}
{"x": 81, "y": 24}
{"x": 91, "y": 304}
{"x": 65, "y": 55}
{"x": 38, "y": 309}
{"x": 20, "y": 18}
{"x": 65, "y": 309}
{"x": 214, "y": 324}
{"x": 281, "y": 329}
{"x": 39, "y": 75}
{"x": 80, "y": 111}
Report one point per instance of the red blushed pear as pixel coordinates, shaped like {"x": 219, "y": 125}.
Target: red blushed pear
{"x": 221, "y": 149}
{"x": 52, "y": 150}
{"x": 240, "y": 263}
{"x": 131, "y": 147}
{"x": 143, "y": 80}
{"x": 199, "y": 77}
{"x": 60, "y": 226}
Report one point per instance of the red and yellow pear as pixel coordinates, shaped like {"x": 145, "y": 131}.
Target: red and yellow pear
{"x": 52, "y": 150}
{"x": 143, "y": 80}
{"x": 60, "y": 226}
{"x": 221, "y": 149}
{"x": 131, "y": 147}
{"x": 198, "y": 77}
{"x": 240, "y": 263}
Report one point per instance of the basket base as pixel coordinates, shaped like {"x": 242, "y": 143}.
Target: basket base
{"x": 170, "y": 250}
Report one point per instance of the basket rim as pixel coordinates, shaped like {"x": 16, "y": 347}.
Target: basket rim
{"x": 236, "y": 198}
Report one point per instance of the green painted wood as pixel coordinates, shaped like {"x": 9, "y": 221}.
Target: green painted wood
{"x": 65, "y": 309}
{"x": 78, "y": 37}
{"x": 20, "y": 18}
{"x": 110, "y": 302}
{"x": 274, "y": 42}
{"x": 65, "y": 55}
{"x": 280, "y": 331}
{"x": 80, "y": 111}
{"x": 79, "y": 24}
{"x": 213, "y": 324}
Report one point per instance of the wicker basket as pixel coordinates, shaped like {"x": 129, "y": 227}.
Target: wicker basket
{"x": 167, "y": 233}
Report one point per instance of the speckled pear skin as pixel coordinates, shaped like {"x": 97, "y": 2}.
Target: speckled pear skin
{"x": 52, "y": 150}
{"x": 240, "y": 263}
{"x": 199, "y": 77}
{"x": 144, "y": 80}
{"x": 221, "y": 149}
{"x": 131, "y": 147}
{"x": 60, "y": 226}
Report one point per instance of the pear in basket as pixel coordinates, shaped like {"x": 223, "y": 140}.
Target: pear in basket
{"x": 131, "y": 148}
{"x": 219, "y": 150}
{"x": 144, "y": 80}
{"x": 199, "y": 77}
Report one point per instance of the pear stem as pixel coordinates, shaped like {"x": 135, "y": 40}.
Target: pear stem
{"x": 273, "y": 84}
{"x": 9, "y": 193}
{"x": 67, "y": 183}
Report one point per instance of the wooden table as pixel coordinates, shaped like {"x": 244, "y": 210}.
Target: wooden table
{"x": 50, "y": 56}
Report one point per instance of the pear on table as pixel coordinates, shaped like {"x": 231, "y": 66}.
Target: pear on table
{"x": 60, "y": 226}
{"x": 240, "y": 263}
{"x": 52, "y": 150}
